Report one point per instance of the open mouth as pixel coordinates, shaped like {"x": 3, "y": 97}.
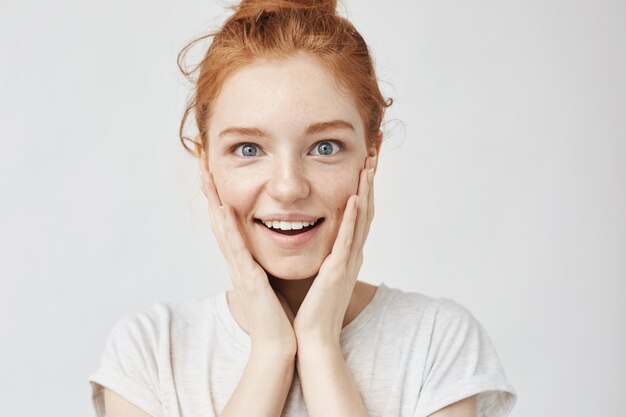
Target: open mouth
{"x": 291, "y": 232}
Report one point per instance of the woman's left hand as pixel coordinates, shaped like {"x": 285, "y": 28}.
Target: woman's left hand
{"x": 321, "y": 315}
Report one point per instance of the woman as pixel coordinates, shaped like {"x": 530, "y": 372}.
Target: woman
{"x": 289, "y": 112}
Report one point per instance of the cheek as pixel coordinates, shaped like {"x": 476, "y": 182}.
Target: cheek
{"x": 236, "y": 192}
{"x": 338, "y": 191}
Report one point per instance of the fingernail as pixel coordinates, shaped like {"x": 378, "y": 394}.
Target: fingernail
{"x": 370, "y": 175}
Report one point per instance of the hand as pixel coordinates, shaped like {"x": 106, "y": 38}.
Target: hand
{"x": 268, "y": 316}
{"x": 321, "y": 314}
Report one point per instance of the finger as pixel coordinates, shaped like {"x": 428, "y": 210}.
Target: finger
{"x": 362, "y": 213}
{"x": 223, "y": 212}
{"x": 248, "y": 271}
{"x": 246, "y": 274}
{"x": 214, "y": 202}
{"x": 345, "y": 235}
{"x": 370, "y": 210}
{"x": 370, "y": 200}
{"x": 219, "y": 223}
{"x": 204, "y": 171}
{"x": 235, "y": 240}
{"x": 357, "y": 257}
{"x": 208, "y": 186}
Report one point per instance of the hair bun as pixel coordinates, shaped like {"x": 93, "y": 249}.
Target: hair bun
{"x": 253, "y": 7}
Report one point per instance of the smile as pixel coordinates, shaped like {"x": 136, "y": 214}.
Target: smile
{"x": 291, "y": 234}
{"x": 290, "y": 228}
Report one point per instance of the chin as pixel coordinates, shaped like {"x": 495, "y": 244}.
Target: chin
{"x": 292, "y": 271}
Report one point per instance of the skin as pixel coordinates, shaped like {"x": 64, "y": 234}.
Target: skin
{"x": 282, "y": 98}
{"x": 296, "y": 300}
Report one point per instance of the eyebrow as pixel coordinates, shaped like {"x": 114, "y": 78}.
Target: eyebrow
{"x": 311, "y": 129}
{"x": 333, "y": 124}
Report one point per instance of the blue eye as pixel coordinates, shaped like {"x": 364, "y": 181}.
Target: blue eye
{"x": 247, "y": 150}
{"x": 327, "y": 147}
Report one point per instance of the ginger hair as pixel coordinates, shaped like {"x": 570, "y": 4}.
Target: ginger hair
{"x": 274, "y": 29}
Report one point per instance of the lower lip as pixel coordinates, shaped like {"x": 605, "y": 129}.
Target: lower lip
{"x": 289, "y": 241}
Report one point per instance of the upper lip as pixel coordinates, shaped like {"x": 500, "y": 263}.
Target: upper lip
{"x": 288, "y": 217}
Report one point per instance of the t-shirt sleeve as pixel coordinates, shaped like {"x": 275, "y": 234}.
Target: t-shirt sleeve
{"x": 128, "y": 365}
{"x": 462, "y": 362}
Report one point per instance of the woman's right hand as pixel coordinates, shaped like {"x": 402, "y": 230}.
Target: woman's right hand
{"x": 268, "y": 318}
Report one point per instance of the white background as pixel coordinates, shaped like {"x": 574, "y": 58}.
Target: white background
{"x": 502, "y": 184}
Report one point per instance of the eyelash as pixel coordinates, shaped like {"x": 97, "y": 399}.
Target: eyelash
{"x": 234, "y": 149}
{"x": 335, "y": 142}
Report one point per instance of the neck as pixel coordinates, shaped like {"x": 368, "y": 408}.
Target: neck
{"x": 294, "y": 291}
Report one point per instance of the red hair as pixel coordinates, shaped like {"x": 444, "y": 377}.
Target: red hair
{"x": 278, "y": 29}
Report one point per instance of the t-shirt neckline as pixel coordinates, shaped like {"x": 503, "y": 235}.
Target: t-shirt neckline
{"x": 366, "y": 315}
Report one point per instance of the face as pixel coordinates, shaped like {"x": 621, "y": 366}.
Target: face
{"x": 285, "y": 148}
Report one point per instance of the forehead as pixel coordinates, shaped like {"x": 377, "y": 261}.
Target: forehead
{"x": 282, "y": 95}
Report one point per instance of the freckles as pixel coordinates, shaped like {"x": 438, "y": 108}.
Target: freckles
{"x": 342, "y": 196}
{"x": 239, "y": 193}
{"x": 333, "y": 193}
{"x": 224, "y": 188}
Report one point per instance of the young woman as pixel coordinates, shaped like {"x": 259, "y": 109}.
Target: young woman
{"x": 288, "y": 113}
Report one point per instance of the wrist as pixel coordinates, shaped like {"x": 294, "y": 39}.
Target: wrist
{"x": 317, "y": 346}
{"x": 317, "y": 336}
{"x": 274, "y": 355}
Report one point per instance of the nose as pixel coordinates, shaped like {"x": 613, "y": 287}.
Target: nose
{"x": 288, "y": 181}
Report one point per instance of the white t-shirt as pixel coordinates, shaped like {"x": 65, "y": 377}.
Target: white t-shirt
{"x": 410, "y": 356}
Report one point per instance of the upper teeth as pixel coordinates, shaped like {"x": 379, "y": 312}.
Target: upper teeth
{"x": 282, "y": 225}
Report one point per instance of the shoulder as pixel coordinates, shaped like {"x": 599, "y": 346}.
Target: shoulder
{"x": 450, "y": 312}
{"x": 422, "y": 308}
{"x": 429, "y": 319}
{"x": 407, "y": 302}
{"x": 154, "y": 324}
{"x": 142, "y": 342}
{"x": 462, "y": 361}
{"x": 455, "y": 327}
